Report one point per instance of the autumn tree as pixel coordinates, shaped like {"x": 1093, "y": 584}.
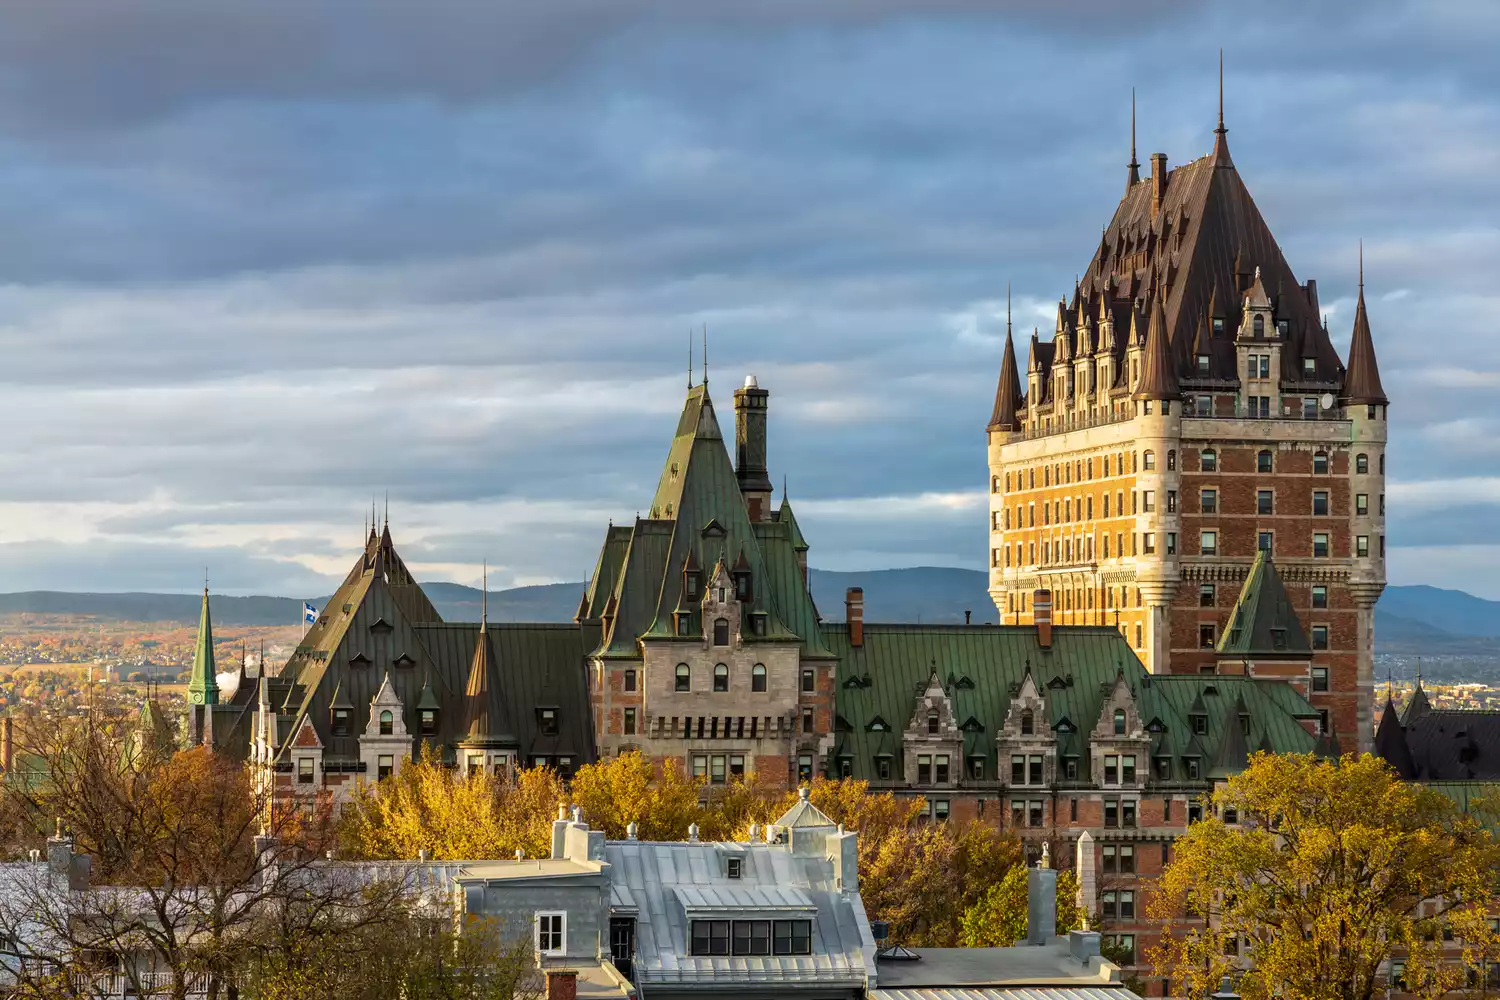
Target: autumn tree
{"x": 999, "y": 918}
{"x": 661, "y": 799}
{"x": 1333, "y": 869}
{"x": 427, "y": 806}
{"x": 199, "y": 855}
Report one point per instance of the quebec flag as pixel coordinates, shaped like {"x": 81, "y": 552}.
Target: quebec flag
{"x": 309, "y": 614}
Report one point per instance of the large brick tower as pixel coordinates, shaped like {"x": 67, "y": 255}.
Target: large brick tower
{"x": 1189, "y": 412}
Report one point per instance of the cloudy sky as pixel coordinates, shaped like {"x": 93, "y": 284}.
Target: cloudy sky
{"x": 260, "y": 262}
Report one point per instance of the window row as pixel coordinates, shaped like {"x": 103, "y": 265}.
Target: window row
{"x": 1079, "y": 470}
{"x": 751, "y": 937}
{"x": 683, "y": 678}
{"x": 1208, "y": 461}
{"x": 718, "y": 768}
{"x": 1208, "y": 595}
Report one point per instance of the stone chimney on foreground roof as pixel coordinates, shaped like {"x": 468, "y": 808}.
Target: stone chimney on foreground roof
{"x": 854, "y": 614}
{"x": 1041, "y": 613}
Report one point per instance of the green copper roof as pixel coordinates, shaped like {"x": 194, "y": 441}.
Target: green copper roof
{"x": 203, "y": 688}
{"x": 1263, "y": 623}
{"x": 982, "y": 667}
{"x": 698, "y": 518}
{"x": 785, "y": 516}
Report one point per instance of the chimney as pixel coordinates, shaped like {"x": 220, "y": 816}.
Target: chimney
{"x": 59, "y": 851}
{"x": 7, "y": 743}
{"x": 967, "y": 614}
{"x": 854, "y": 614}
{"x": 1158, "y": 182}
{"x": 560, "y": 832}
{"x": 562, "y": 984}
{"x": 750, "y": 448}
{"x": 1041, "y": 905}
{"x": 1041, "y": 614}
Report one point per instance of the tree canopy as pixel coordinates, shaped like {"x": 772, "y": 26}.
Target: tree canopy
{"x": 1318, "y": 872}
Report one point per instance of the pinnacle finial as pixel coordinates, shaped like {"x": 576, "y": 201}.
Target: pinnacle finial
{"x": 690, "y": 358}
{"x": 1133, "y": 175}
{"x": 484, "y": 598}
{"x": 1361, "y": 266}
{"x": 386, "y": 521}
{"x": 1221, "y": 127}
{"x": 1007, "y": 308}
{"x": 705, "y": 354}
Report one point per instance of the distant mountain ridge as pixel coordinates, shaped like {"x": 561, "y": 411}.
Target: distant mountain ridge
{"x": 1413, "y": 618}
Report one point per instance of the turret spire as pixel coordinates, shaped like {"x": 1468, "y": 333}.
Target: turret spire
{"x": 1362, "y": 379}
{"x": 1221, "y": 143}
{"x": 203, "y": 686}
{"x": 1158, "y": 372}
{"x": 1008, "y": 391}
{"x": 1134, "y": 176}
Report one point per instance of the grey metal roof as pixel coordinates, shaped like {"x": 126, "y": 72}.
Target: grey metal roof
{"x": 1007, "y": 993}
{"x": 656, "y": 878}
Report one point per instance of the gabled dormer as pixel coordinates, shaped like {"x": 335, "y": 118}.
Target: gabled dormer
{"x": 385, "y": 743}
{"x": 1027, "y": 716}
{"x": 1025, "y": 746}
{"x": 1119, "y": 744}
{"x": 720, "y": 609}
{"x": 933, "y": 742}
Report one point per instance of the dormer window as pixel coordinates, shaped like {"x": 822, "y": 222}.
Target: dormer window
{"x": 742, "y": 585}
{"x": 547, "y": 721}
{"x": 405, "y": 661}
{"x": 720, "y": 595}
{"x": 1200, "y": 725}
{"x": 387, "y": 723}
{"x": 1278, "y": 638}
{"x": 341, "y": 722}
{"x": 1258, "y": 325}
{"x": 1218, "y": 324}
{"x": 359, "y": 660}
{"x": 758, "y": 623}
{"x": 1119, "y": 722}
{"x": 1283, "y": 327}
{"x": 721, "y": 631}
{"x": 1203, "y": 364}
{"x": 1309, "y": 367}
{"x": 932, "y": 723}
{"x": 690, "y": 583}
{"x": 428, "y": 722}
{"x": 684, "y": 623}
{"x": 733, "y": 867}
{"x": 1028, "y": 723}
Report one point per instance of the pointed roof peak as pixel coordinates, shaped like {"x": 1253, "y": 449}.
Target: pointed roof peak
{"x": 203, "y": 686}
{"x": 1158, "y": 372}
{"x": 1008, "y": 389}
{"x": 1133, "y": 177}
{"x": 1220, "y": 155}
{"x": 1362, "y": 377}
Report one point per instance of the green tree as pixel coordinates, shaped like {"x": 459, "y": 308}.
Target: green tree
{"x": 1334, "y": 868}
{"x": 998, "y": 918}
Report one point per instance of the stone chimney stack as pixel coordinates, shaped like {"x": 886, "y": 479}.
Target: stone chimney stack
{"x": 1041, "y": 905}
{"x": 854, "y": 614}
{"x": 1158, "y": 182}
{"x": 1041, "y": 613}
{"x": 750, "y": 448}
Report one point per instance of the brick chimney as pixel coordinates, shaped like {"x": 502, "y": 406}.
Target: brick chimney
{"x": 562, "y": 984}
{"x": 1158, "y": 182}
{"x": 854, "y": 614}
{"x": 750, "y": 448}
{"x": 1041, "y": 613}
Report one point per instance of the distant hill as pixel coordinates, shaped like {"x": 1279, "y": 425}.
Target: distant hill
{"x": 1407, "y": 619}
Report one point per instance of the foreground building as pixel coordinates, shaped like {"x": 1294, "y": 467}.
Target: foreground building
{"x": 779, "y": 914}
{"x": 1188, "y": 412}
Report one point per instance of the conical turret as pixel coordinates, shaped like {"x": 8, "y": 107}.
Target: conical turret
{"x": 1362, "y": 381}
{"x": 1008, "y": 391}
{"x": 203, "y": 687}
{"x": 1158, "y": 374}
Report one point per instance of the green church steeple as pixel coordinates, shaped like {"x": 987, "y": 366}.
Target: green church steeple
{"x": 203, "y": 688}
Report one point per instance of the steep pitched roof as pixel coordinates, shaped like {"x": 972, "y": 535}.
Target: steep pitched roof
{"x": 1263, "y": 623}
{"x": 1362, "y": 383}
{"x": 485, "y": 717}
{"x": 1158, "y": 372}
{"x": 203, "y": 686}
{"x": 1008, "y": 390}
{"x": 1390, "y": 742}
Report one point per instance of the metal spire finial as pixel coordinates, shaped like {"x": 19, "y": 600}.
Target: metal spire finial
{"x": 386, "y": 523}
{"x": 484, "y": 599}
{"x": 1361, "y": 265}
{"x": 1133, "y": 177}
{"x": 1007, "y": 306}
{"x": 705, "y": 354}
{"x": 1221, "y": 129}
{"x": 690, "y": 358}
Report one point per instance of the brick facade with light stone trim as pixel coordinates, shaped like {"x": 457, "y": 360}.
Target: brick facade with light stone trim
{"x": 1189, "y": 410}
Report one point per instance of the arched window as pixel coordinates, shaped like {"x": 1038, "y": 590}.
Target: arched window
{"x": 1172, "y": 460}
{"x": 387, "y": 723}
{"x": 1320, "y": 463}
{"x": 758, "y": 677}
{"x": 932, "y": 723}
{"x": 1209, "y": 460}
{"x": 1259, "y": 326}
{"x": 721, "y": 631}
{"x": 684, "y": 677}
{"x": 721, "y": 677}
{"x": 1119, "y": 722}
{"x": 1149, "y": 460}
{"x": 1361, "y": 464}
{"x": 1028, "y": 723}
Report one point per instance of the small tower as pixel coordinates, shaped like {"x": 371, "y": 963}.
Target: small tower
{"x": 385, "y": 745}
{"x": 1158, "y": 402}
{"x": 750, "y": 404}
{"x": 203, "y": 687}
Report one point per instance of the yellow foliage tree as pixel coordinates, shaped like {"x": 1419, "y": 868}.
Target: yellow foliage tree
{"x": 1333, "y": 869}
{"x": 661, "y": 799}
{"x": 428, "y": 807}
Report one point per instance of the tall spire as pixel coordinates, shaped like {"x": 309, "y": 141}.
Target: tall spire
{"x": 690, "y": 359}
{"x": 1158, "y": 372}
{"x": 203, "y": 686}
{"x": 1008, "y": 390}
{"x": 484, "y": 596}
{"x": 1362, "y": 379}
{"x": 1221, "y": 143}
{"x": 1134, "y": 176}
{"x": 705, "y": 354}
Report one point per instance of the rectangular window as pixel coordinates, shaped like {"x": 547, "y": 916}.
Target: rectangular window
{"x": 1111, "y": 812}
{"x": 1264, "y": 540}
{"x": 717, "y": 766}
{"x": 1035, "y": 773}
{"x": 1148, "y": 501}
{"x": 1171, "y": 501}
{"x": 1127, "y": 769}
{"x": 1206, "y": 638}
{"x": 1361, "y": 503}
{"x": 1362, "y": 545}
{"x": 1111, "y": 770}
{"x": 629, "y": 681}
{"x": 1120, "y": 948}
{"x": 924, "y": 769}
{"x": 1320, "y": 502}
{"x": 710, "y": 937}
{"x": 700, "y": 766}
{"x": 1206, "y": 595}
{"x": 1017, "y": 812}
{"x": 751, "y": 937}
{"x": 1208, "y": 542}
{"x": 808, "y": 680}
{"x": 1320, "y": 678}
{"x": 1203, "y": 406}
{"x": 793, "y": 937}
{"x": 1319, "y": 637}
{"x": 737, "y": 766}
{"x": 429, "y": 722}
{"x": 807, "y": 719}
{"x": 629, "y": 727}
{"x": 1309, "y": 407}
{"x": 385, "y": 765}
{"x": 304, "y": 770}
{"x": 1148, "y": 542}
{"x": 1320, "y": 545}
{"x": 940, "y": 766}
{"x": 883, "y": 768}
{"x": 976, "y": 768}
{"x": 549, "y": 721}
{"x": 1110, "y": 862}
{"x": 1127, "y": 818}
{"x": 1209, "y": 501}
{"x": 552, "y": 933}
{"x": 1320, "y": 597}
{"x": 1017, "y": 769}
{"x": 1264, "y": 502}
{"x": 940, "y": 810}
{"x": 804, "y": 769}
